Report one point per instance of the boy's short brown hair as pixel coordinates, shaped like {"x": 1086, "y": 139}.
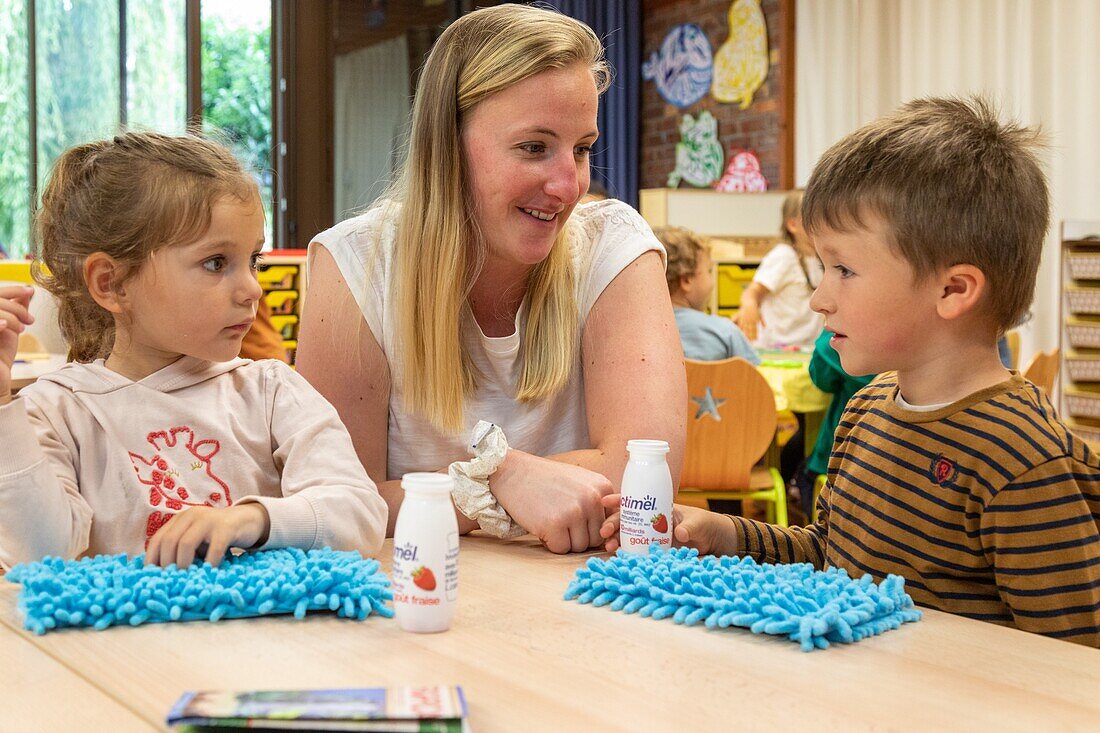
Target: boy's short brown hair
{"x": 682, "y": 247}
{"x": 953, "y": 184}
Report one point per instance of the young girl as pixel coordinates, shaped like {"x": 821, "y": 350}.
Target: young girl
{"x": 775, "y": 309}
{"x": 690, "y": 282}
{"x": 157, "y": 437}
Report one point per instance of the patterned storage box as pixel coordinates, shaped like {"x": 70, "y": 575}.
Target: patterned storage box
{"x": 281, "y": 277}
{"x": 282, "y": 302}
{"x": 1083, "y": 300}
{"x": 1083, "y": 334}
{"x": 1083, "y": 368}
{"x": 1083, "y": 404}
{"x": 1084, "y": 265}
{"x": 286, "y": 326}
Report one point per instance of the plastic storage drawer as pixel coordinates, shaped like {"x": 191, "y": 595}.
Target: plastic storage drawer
{"x": 280, "y": 277}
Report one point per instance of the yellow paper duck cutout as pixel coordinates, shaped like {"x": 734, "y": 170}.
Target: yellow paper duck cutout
{"x": 741, "y": 64}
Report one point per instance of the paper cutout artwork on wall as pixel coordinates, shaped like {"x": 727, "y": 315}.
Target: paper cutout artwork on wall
{"x": 742, "y": 174}
{"x": 699, "y": 155}
{"x": 684, "y": 66}
{"x": 741, "y": 64}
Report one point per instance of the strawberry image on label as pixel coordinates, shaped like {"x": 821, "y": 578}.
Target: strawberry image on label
{"x": 423, "y": 578}
{"x": 660, "y": 523}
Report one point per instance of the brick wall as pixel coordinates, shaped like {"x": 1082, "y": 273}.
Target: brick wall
{"x": 757, "y": 128}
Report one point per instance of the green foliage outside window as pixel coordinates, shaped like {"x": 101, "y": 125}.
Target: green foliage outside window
{"x": 78, "y": 87}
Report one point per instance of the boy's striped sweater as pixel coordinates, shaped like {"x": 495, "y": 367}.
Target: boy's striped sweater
{"x": 989, "y": 507}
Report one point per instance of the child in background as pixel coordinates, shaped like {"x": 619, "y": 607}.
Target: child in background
{"x": 690, "y": 280}
{"x": 156, "y": 436}
{"x": 775, "y": 309}
{"x": 948, "y": 470}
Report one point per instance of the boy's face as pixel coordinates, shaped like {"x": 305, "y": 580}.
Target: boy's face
{"x": 878, "y": 312}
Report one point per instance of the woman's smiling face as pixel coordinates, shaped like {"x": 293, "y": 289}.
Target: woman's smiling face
{"x": 526, "y": 152}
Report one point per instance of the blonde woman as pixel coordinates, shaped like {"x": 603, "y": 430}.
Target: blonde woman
{"x": 477, "y": 290}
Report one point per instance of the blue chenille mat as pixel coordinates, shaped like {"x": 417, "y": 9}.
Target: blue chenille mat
{"x": 809, "y": 606}
{"x": 108, "y": 590}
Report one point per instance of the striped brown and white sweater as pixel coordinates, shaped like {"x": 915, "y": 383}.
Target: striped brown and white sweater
{"x": 989, "y": 508}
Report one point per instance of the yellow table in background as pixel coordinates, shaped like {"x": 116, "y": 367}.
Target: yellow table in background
{"x": 788, "y": 373}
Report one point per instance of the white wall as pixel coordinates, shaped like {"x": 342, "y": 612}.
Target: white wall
{"x": 1039, "y": 59}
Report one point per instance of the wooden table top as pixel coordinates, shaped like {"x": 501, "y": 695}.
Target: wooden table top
{"x": 29, "y": 367}
{"x": 529, "y": 660}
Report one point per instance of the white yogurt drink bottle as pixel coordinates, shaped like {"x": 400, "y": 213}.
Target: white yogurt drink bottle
{"x": 645, "y": 509}
{"x": 425, "y": 554}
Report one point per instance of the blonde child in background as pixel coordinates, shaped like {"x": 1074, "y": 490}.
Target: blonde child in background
{"x": 948, "y": 469}
{"x": 690, "y": 280}
{"x": 775, "y": 309}
{"x": 157, "y": 436}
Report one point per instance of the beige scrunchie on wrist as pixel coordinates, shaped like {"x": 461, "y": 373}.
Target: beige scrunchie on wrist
{"x": 471, "y": 491}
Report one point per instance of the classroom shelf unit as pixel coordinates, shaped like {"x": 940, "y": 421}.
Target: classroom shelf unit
{"x": 284, "y": 281}
{"x": 741, "y": 228}
{"x": 1080, "y": 329}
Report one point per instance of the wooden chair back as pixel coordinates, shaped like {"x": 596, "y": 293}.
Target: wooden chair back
{"x": 1043, "y": 369}
{"x": 731, "y": 422}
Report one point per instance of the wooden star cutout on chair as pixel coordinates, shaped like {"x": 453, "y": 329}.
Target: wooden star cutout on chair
{"x": 708, "y": 405}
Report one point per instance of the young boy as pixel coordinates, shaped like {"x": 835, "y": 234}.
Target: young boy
{"x": 690, "y": 280}
{"x": 948, "y": 470}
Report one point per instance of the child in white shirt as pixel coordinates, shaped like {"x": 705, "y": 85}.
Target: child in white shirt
{"x": 775, "y": 308}
{"x": 156, "y": 437}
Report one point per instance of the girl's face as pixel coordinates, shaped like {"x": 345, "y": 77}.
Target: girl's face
{"x": 197, "y": 299}
{"x": 526, "y": 150}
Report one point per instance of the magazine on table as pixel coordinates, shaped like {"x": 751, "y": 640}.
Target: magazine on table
{"x": 430, "y": 709}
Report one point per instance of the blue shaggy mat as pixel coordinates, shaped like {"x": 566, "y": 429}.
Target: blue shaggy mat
{"x": 108, "y": 590}
{"x": 809, "y": 606}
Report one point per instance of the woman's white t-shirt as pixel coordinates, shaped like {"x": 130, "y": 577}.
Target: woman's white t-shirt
{"x": 788, "y": 318}
{"x": 609, "y": 236}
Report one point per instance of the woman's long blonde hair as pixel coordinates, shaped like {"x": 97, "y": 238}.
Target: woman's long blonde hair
{"x": 439, "y": 251}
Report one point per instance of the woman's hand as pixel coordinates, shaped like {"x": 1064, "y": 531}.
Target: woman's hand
{"x": 242, "y": 525}
{"x": 557, "y": 502}
{"x": 14, "y": 319}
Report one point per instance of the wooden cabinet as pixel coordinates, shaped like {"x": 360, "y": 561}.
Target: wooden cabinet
{"x": 1080, "y": 329}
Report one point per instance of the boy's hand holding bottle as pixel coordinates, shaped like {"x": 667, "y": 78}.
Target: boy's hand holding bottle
{"x": 708, "y": 532}
{"x": 14, "y": 319}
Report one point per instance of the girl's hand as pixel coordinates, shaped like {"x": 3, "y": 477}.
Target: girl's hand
{"x": 14, "y": 319}
{"x": 557, "y": 502}
{"x": 178, "y": 541}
